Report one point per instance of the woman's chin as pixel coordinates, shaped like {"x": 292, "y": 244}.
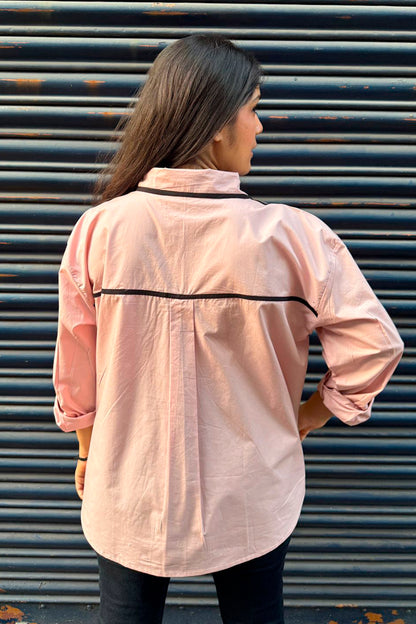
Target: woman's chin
{"x": 245, "y": 171}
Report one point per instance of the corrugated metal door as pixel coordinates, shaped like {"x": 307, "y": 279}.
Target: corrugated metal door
{"x": 338, "y": 111}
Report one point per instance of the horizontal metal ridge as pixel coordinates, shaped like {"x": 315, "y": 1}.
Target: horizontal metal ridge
{"x": 133, "y": 53}
{"x": 329, "y": 89}
{"x": 283, "y": 15}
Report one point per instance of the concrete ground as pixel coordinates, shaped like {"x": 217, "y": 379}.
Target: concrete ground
{"x": 24, "y": 613}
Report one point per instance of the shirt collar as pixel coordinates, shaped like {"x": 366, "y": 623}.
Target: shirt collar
{"x": 192, "y": 180}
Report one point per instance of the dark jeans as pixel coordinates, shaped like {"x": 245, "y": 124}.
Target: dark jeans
{"x": 248, "y": 593}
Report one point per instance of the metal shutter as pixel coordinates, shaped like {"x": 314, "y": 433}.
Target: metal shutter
{"x": 338, "y": 110}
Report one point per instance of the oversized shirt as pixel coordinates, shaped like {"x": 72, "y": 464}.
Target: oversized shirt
{"x": 185, "y": 314}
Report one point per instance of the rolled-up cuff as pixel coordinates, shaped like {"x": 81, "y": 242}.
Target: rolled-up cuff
{"x": 341, "y": 406}
{"x": 72, "y": 423}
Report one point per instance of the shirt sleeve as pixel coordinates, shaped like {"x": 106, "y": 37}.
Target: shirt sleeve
{"x": 361, "y": 346}
{"x": 74, "y": 374}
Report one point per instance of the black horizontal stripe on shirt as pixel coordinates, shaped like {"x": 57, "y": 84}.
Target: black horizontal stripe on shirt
{"x": 167, "y": 295}
{"x": 154, "y": 191}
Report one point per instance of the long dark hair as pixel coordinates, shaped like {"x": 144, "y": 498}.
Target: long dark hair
{"x": 194, "y": 88}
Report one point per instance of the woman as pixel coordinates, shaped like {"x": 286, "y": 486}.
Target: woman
{"x": 185, "y": 314}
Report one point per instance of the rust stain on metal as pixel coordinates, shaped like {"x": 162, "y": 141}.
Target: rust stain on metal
{"x": 165, "y": 12}
{"x": 34, "y": 197}
{"x": 366, "y": 87}
{"x": 332, "y": 622}
{"x": 409, "y": 119}
{"x": 374, "y": 618}
{"x": 8, "y": 613}
{"x": 106, "y": 113}
{"x": 345, "y": 16}
{"x": 7, "y": 275}
{"x": 29, "y": 10}
{"x": 332, "y": 140}
{"x": 16, "y": 133}
{"x": 328, "y": 117}
{"x": 94, "y": 83}
{"x": 399, "y": 621}
{"x": 279, "y": 117}
{"x": 24, "y": 81}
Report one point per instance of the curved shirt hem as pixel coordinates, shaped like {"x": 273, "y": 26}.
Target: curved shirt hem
{"x": 175, "y": 571}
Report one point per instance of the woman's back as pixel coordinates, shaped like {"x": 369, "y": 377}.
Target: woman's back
{"x": 204, "y": 302}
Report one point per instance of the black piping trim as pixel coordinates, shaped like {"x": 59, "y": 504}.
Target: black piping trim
{"x": 154, "y": 191}
{"x": 166, "y": 295}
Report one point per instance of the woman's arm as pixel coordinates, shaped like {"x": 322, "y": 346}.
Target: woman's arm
{"x": 84, "y": 439}
{"x": 361, "y": 345}
{"x": 312, "y": 415}
{"x": 74, "y": 373}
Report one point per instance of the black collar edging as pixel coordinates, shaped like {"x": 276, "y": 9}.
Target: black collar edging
{"x": 155, "y": 191}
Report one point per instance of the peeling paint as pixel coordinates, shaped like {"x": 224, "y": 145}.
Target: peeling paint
{"x": 377, "y": 618}
{"x": 10, "y": 613}
{"x": 374, "y": 618}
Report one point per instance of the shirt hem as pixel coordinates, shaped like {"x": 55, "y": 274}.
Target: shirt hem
{"x": 156, "y": 570}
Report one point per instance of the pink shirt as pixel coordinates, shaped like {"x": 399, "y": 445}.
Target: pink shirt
{"x": 184, "y": 322}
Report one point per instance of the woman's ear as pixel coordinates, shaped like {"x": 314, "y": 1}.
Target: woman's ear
{"x": 219, "y": 136}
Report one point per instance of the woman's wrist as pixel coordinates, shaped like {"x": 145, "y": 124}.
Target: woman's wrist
{"x": 84, "y": 439}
